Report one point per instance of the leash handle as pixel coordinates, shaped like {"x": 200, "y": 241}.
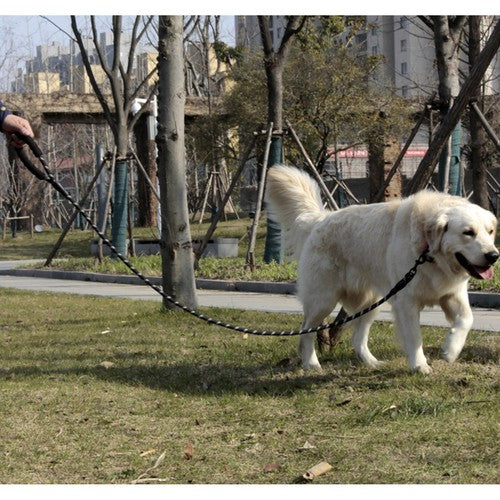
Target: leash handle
{"x": 21, "y": 153}
{"x": 31, "y": 143}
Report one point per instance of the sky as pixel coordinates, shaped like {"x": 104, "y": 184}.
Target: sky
{"x": 23, "y": 33}
{"x": 30, "y": 23}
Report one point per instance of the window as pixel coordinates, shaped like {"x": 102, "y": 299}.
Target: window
{"x": 374, "y": 31}
{"x": 404, "y": 68}
{"x": 374, "y": 50}
{"x": 403, "y": 22}
{"x": 279, "y": 34}
{"x": 404, "y": 45}
{"x": 404, "y": 91}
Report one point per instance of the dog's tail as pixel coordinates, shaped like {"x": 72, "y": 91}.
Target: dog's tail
{"x": 294, "y": 200}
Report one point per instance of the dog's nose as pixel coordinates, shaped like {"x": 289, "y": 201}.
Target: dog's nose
{"x": 491, "y": 257}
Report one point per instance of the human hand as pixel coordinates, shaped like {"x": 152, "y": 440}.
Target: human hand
{"x": 13, "y": 124}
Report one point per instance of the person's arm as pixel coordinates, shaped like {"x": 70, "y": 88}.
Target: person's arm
{"x": 10, "y": 123}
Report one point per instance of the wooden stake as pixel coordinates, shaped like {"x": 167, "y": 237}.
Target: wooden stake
{"x": 250, "y": 258}
{"x": 331, "y": 202}
{"x": 227, "y": 196}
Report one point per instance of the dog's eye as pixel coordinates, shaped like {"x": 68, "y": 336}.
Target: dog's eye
{"x": 469, "y": 232}
{"x": 490, "y": 231}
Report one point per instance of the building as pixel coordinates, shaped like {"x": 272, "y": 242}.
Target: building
{"x": 81, "y": 82}
{"x": 145, "y": 63}
{"x": 405, "y": 43}
{"x": 67, "y": 62}
{"x": 42, "y": 82}
{"x": 406, "y": 47}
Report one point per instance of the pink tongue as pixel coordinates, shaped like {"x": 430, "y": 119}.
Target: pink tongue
{"x": 485, "y": 272}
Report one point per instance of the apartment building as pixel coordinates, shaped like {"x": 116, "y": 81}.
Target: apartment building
{"x": 408, "y": 67}
{"x": 404, "y": 42}
{"x": 65, "y": 61}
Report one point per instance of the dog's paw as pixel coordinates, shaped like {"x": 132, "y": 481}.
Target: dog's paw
{"x": 312, "y": 367}
{"x": 376, "y": 364}
{"x": 449, "y": 355}
{"x": 425, "y": 369}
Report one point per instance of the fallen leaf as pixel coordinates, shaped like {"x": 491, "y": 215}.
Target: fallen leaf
{"x": 245, "y": 336}
{"x": 345, "y": 401}
{"x": 188, "y": 451}
{"x": 147, "y": 452}
{"x": 106, "y": 364}
{"x": 392, "y": 407}
{"x": 307, "y": 446}
{"x": 284, "y": 362}
{"x": 106, "y": 331}
{"x": 317, "y": 470}
{"x": 272, "y": 467}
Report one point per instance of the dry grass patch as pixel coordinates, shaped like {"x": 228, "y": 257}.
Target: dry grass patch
{"x": 111, "y": 391}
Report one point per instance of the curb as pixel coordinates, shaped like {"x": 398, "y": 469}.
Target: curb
{"x": 476, "y": 299}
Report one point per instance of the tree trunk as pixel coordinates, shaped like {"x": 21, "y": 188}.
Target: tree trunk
{"x": 477, "y": 133}
{"x": 424, "y": 171}
{"x": 447, "y": 33}
{"x": 274, "y": 63}
{"x": 120, "y": 193}
{"x": 147, "y": 204}
{"x": 176, "y": 247}
{"x": 382, "y": 154}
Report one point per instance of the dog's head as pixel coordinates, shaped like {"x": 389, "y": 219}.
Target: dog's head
{"x": 462, "y": 236}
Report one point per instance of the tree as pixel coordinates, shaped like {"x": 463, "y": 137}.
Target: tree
{"x": 477, "y": 134}
{"x": 424, "y": 171}
{"x": 17, "y": 187}
{"x": 124, "y": 90}
{"x": 448, "y": 31}
{"x": 328, "y": 95}
{"x": 176, "y": 248}
{"x": 274, "y": 64}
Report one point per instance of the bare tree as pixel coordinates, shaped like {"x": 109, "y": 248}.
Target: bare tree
{"x": 120, "y": 78}
{"x": 448, "y": 31}
{"x": 274, "y": 63}
{"x": 177, "y": 255}
{"x": 16, "y": 189}
{"x": 477, "y": 134}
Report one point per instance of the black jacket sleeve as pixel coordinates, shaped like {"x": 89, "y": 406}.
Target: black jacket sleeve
{"x": 3, "y": 113}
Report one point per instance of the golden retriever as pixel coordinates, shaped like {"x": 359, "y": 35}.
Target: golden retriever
{"x": 355, "y": 255}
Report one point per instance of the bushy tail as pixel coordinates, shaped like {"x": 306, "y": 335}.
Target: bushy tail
{"x": 294, "y": 200}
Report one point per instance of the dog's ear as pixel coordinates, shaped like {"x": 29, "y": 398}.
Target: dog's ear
{"x": 434, "y": 229}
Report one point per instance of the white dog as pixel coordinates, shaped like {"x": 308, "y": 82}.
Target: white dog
{"x": 356, "y": 255}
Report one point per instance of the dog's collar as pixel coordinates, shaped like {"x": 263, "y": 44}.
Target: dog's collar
{"x": 425, "y": 250}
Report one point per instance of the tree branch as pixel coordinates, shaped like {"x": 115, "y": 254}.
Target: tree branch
{"x": 90, "y": 73}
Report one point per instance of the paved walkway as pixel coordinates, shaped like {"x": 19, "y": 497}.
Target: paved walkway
{"x": 484, "y": 319}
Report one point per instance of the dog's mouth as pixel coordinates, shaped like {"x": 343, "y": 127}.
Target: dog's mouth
{"x": 478, "y": 272}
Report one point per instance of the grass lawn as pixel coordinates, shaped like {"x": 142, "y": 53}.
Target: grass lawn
{"x": 100, "y": 390}
{"x": 75, "y": 253}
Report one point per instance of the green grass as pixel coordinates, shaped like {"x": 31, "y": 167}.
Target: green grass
{"x": 77, "y": 242}
{"x": 76, "y": 250}
{"x": 210, "y": 267}
{"x": 99, "y": 390}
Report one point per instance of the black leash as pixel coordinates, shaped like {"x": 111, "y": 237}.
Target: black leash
{"x": 46, "y": 175}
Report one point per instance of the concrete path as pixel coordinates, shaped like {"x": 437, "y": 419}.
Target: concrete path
{"x": 484, "y": 319}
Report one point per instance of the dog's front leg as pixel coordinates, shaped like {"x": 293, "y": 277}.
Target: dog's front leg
{"x": 459, "y": 314}
{"x": 407, "y": 321}
{"x": 308, "y": 352}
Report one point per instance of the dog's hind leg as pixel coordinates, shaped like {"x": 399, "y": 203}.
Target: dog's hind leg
{"x": 360, "y": 339}
{"x": 314, "y": 314}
